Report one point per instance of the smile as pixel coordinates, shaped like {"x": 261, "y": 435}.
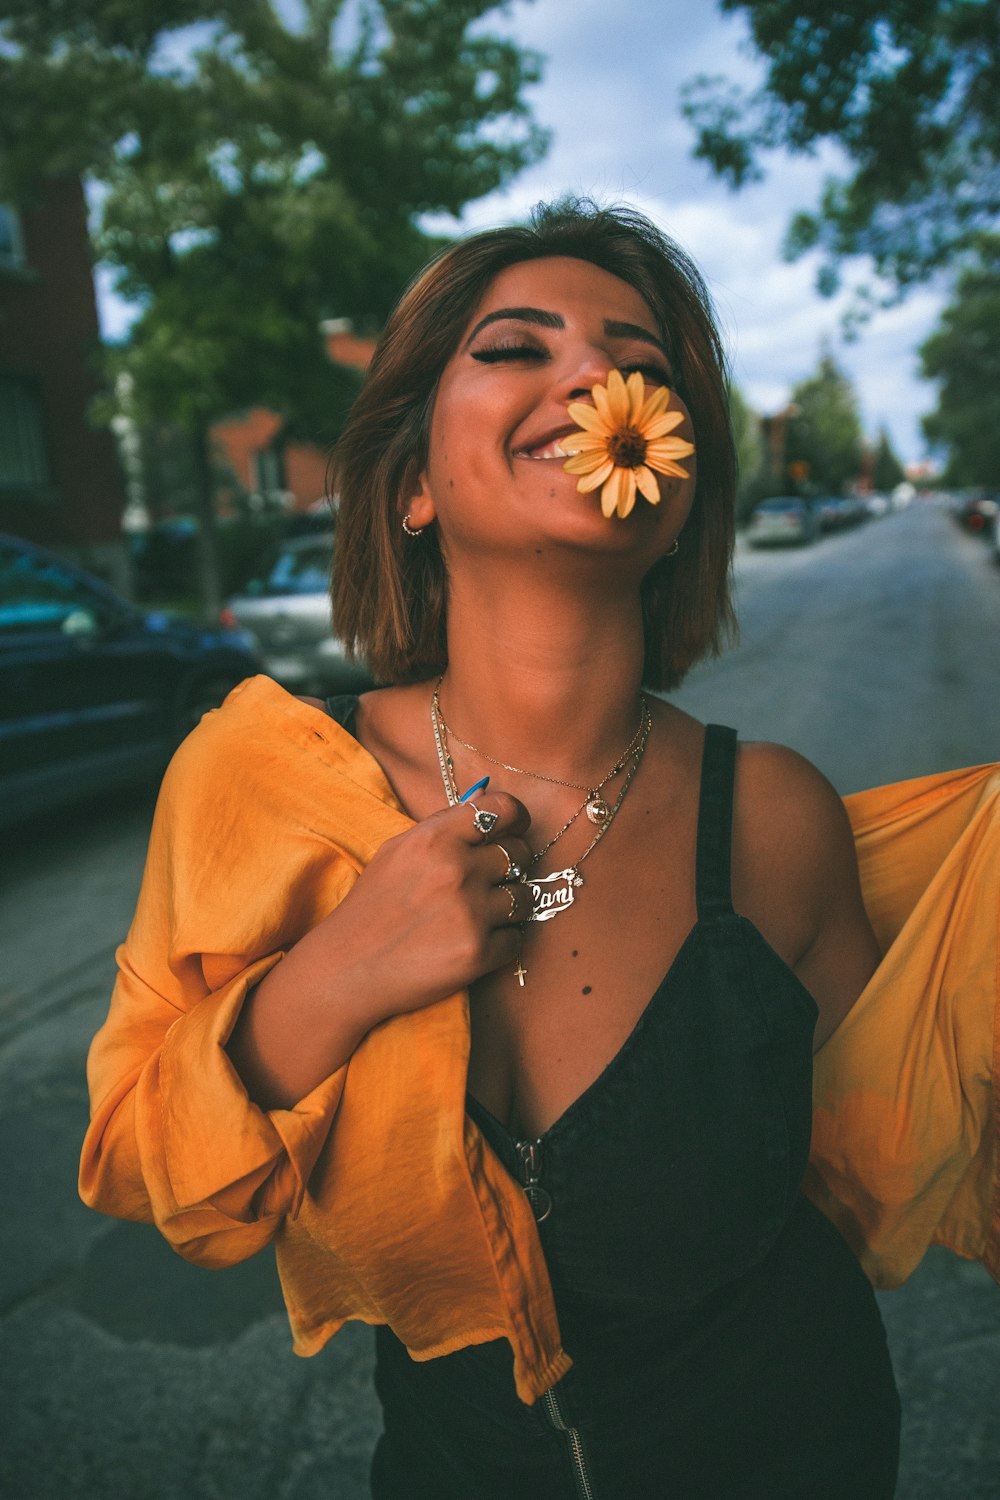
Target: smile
{"x": 548, "y": 450}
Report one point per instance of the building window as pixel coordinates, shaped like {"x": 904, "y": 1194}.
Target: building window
{"x": 23, "y": 458}
{"x": 270, "y": 470}
{"x": 11, "y": 239}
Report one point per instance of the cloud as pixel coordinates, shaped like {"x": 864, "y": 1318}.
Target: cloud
{"x": 611, "y": 95}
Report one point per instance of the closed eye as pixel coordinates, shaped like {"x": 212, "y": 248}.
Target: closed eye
{"x": 494, "y": 353}
{"x": 655, "y": 374}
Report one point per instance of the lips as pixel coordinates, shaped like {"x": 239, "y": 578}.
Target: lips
{"x": 547, "y": 446}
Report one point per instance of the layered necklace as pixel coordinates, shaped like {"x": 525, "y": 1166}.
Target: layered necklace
{"x": 555, "y": 893}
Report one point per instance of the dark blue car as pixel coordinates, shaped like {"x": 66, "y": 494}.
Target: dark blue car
{"x": 94, "y": 692}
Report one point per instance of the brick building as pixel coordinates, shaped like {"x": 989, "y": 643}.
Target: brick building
{"x": 254, "y": 447}
{"x": 60, "y": 483}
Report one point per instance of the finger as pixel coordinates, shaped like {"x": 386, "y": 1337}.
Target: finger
{"x": 514, "y": 859}
{"x": 511, "y": 905}
{"x": 490, "y": 815}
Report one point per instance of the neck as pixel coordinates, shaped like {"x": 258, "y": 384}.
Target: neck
{"x": 548, "y": 680}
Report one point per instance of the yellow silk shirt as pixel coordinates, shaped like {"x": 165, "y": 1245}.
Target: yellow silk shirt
{"x": 382, "y": 1198}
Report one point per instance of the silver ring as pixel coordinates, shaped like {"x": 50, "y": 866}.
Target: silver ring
{"x": 484, "y": 822}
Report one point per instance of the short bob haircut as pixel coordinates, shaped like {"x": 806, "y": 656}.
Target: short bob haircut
{"x": 390, "y": 590}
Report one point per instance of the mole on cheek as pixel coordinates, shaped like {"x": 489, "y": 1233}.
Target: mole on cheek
{"x": 586, "y": 989}
{"x": 574, "y": 953}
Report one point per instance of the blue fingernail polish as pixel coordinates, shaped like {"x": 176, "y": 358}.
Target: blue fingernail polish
{"x": 480, "y": 786}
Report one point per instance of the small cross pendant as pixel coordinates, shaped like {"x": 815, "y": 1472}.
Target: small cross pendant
{"x": 521, "y": 973}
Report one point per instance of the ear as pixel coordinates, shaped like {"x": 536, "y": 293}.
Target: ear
{"x": 418, "y": 503}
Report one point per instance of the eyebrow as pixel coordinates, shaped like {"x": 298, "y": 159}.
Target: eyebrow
{"x": 613, "y": 328}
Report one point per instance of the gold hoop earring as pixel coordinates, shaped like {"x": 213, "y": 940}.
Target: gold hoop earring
{"x": 411, "y": 530}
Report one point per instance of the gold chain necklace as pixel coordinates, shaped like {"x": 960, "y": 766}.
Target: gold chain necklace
{"x": 554, "y": 893}
{"x": 597, "y": 807}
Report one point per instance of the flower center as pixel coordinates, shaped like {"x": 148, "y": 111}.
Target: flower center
{"x": 626, "y": 448}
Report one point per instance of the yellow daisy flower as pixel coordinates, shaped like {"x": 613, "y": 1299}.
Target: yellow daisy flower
{"x": 624, "y": 439}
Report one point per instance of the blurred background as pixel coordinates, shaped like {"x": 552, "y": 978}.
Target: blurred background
{"x": 206, "y": 212}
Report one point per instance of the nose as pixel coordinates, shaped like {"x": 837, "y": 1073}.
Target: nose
{"x": 589, "y": 366}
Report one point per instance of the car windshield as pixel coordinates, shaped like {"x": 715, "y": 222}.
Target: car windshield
{"x": 301, "y": 570}
{"x": 772, "y": 505}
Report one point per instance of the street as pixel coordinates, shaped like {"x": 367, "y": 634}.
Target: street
{"x": 128, "y": 1373}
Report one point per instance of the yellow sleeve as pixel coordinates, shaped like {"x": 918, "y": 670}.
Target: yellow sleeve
{"x": 231, "y": 880}
{"x": 906, "y": 1122}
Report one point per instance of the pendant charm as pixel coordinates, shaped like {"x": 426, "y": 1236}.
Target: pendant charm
{"x": 598, "y": 810}
{"x": 551, "y": 894}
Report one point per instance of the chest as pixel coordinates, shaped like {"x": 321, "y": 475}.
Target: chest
{"x": 589, "y": 973}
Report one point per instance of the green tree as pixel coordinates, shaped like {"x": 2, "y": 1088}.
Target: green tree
{"x": 908, "y": 90}
{"x": 824, "y": 440}
{"x": 887, "y": 471}
{"x": 749, "y": 449}
{"x": 255, "y": 174}
{"x": 963, "y": 355}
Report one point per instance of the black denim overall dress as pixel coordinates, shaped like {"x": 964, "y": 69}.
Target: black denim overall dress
{"x": 726, "y": 1344}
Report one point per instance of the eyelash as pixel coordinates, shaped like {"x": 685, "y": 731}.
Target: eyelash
{"x": 494, "y": 353}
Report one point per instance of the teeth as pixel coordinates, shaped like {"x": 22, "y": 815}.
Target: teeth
{"x": 551, "y": 450}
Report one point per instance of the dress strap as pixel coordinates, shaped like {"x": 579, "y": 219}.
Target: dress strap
{"x": 343, "y": 707}
{"x": 713, "y": 859}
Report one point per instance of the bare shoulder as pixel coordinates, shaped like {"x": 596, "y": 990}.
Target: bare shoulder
{"x": 796, "y": 876}
{"x": 787, "y": 803}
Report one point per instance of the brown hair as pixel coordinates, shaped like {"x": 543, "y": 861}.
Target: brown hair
{"x": 390, "y": 590}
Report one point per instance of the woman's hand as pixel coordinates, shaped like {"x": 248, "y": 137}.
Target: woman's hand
{"x": 429, "y": 914}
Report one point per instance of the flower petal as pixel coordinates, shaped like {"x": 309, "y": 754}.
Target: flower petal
{"x": 603, "y": 403}
{"x": 584, "y": 442}
{"x": 646, "y": 483}
{"x": 585, "y": 463}
{"x": 611, "y": 491}
{"x": 635, "y": 388}
{"x": 593, "y": 480}
{"x": 657, "y": 403}
{"x": 618, "y": 402}
{"x": 626, "y": 495}
{"x": 661, "y": 425}
{"x": 588, "y": 417}
{"x": 666, "y": 450}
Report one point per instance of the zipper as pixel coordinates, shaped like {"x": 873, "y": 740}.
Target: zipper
{"x": 581, "y": 1474}
{"x": 529, "y": 1156}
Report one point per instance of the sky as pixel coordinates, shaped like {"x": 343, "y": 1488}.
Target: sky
{"x": 610, "y": 94}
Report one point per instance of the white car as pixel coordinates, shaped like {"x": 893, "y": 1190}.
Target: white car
{"x": 288, "y": 615}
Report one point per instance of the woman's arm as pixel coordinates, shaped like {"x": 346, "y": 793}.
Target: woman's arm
{"x": 425, "y": 919}
{"x": 243, "y": 877}
{"x": 796, "y": 877}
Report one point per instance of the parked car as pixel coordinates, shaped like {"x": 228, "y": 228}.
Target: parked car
{"x": 785, "y": 519}
{"x": 94, "y": 692}
{"x": 287, "y": 613}
{"x": 977, "y": 512}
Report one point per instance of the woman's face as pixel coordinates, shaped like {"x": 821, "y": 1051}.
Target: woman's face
{"x": 545, "y": 332}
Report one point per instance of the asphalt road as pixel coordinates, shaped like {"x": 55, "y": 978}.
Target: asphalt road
{"x": 127, "y": 1373}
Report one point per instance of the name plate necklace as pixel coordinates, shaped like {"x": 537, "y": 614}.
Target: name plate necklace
{"x": 554, "y": 893}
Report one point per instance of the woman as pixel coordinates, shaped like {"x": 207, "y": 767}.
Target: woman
{"x": 548, "y": 1135}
